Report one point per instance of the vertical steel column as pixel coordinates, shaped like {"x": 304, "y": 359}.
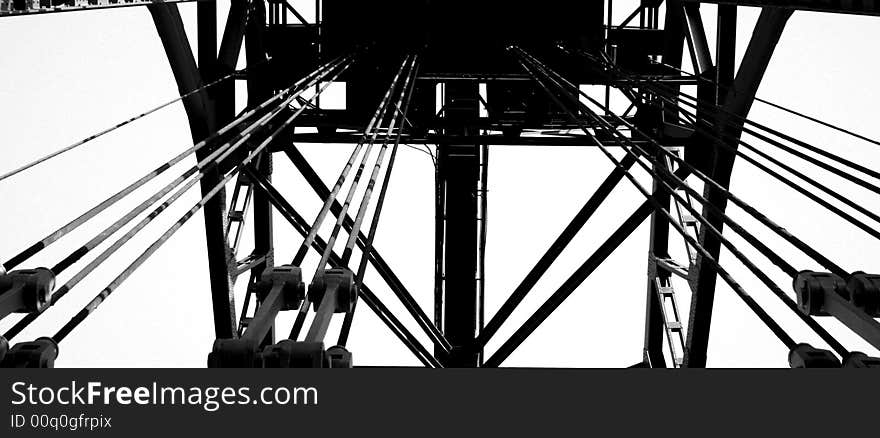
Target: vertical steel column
{"x": 659, "y": 240}
{"x": 659, "y": 248}
{"x": 725, "y": 51}
{"x": 259, "y": 91}
{"x": 227, "y": 59}
{"x": 459, "y": 174}
{"x": 200, "y": 112}
{"x": 763, "y": 42}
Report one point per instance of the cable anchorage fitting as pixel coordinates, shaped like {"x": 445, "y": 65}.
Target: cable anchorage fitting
{"x": 37, "y": 354}
{"x": 806, "y": 356}
{"x": 339, "y": 282}
{"x": 818, "y": 291}
{"x": 25, "y": 291}
{"x": 279, "y": 288}
{"x": 289, "y": 279}
{"x": 304, "y": 354}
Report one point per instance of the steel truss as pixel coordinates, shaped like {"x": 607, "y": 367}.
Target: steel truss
{"x": 671, "y": 135}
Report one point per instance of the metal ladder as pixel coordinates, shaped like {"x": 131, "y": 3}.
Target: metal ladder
{"x": 235, "y": 218}
{"x": 666, "y": 294}
{"x": 674, "y": 328}
{"x": 687, "y": 221}
{"x": 237, "y": 211}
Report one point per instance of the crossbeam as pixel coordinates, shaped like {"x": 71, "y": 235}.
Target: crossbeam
{"x": 13, "y": 8}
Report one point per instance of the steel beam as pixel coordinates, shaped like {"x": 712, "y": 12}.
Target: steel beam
{"x": 200, "y": 112}
{"x": 89, "y": 7}
{"x": 573, "y": 140}
{"x": 458, "y": 169}
{"x": 703, "y": 279}
{"x": 227, "y": 58}
{"x": 695, "y": 34}
{"x": 673, "y": 47}
{"x": 556, "y": 248}
{"x": 258, "y": 91}
{"x": 659, "y": 248}
{"x": 683, "y": 22}
{"x": 629, "y": 225}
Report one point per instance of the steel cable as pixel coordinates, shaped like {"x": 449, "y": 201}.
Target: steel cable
{"x": 119, "y": 125}
{"x": 94, "y": 211}
{"x": 779, "y": 107}
{"x": 779, "y": 230}
{"x": 834, "y": 194}
{"x": 408, "y": 86}
{"x": 381, "y": 112}
{"x": 220, "y": 154}
{"x": 746, "y": 121}
{"x": 113, "y": 285}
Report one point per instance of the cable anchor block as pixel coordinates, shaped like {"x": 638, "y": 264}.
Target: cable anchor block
{"x": 339, "y": 282}
{"x": 305, "y": 354}
{"x": 37, "y": 354}
{"x": 279, "y": 288}
{"x": 857, "y": 359}
{"x": 295, "y": 354}
{"x": 807, "y": 356}
{"x": 289, "y": 279}
{"x": 813, "y": 290}
{"x": 863, "y": 291}
{"x": 25, "y": 291}
{"x": 339, "y": 357}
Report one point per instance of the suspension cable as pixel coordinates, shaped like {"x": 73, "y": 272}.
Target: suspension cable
{"x": 197, "y": 172}
{"x": 779, "y": 107}
{"x": 94, "y": 211}
{"x": 665, "y": 173}
{"x": 220, "y": 154}
{"x": 365, "y": 199}
{"x": 843, "y": 199}
{"x": 381, "y": 112}
{"x": 102, "y": 296}
{"x": 337, "y": 227}
{"x": 343, "y": 175}
{"x": 719, "y": 140}
{"x": 408, "y": 86}
{"x": 839, "y": 197}
{"x": 376, "y": 305}
{"x": 746, "y": 121}
{"x": 779, "y": 230}
{"x": 121, "y": 124}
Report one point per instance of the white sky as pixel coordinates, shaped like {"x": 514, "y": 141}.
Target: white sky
{"x": 65, "y": 76}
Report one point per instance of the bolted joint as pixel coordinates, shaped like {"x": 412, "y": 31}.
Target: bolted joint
{"x": 339, "y": 357}
{"x": 234, "y": 353}
{"x": 339, "y": 281}
{"x": 295, "y": 354}
{"x": 25, "y": 291}
{"x": 289, "y": 278}
{"x": 858, "y": 359}
{"x": 37, "y": 354}
{"x": 807, "y": 356}
{"x": 863, "y": 291}
{"x": 811, "y": 289}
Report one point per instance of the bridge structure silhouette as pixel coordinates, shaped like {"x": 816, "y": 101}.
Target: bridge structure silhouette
{"x": 454, "y": 79}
